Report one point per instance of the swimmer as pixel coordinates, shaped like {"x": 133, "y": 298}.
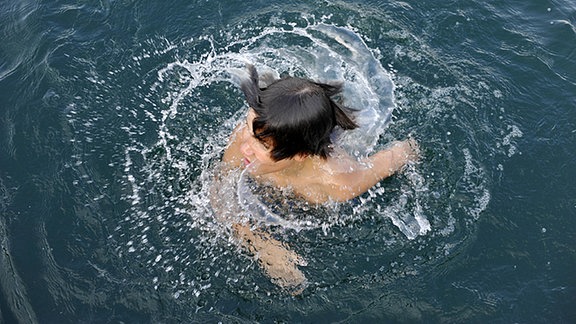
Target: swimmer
{"x": 285, "y": 142}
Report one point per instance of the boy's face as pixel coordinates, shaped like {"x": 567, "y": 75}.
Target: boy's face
{"x": 257, "y": 155}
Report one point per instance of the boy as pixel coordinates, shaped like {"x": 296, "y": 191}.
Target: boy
{"x": 285, "y": 141}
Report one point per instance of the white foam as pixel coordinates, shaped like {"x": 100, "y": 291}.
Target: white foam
{"x": 474, "y": 182}
{"x": 514, "y": 132}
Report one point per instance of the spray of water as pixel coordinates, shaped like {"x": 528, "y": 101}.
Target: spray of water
{"x": 171, "y": 138}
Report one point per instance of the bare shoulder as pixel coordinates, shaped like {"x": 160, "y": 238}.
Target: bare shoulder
{"x": 316, "y": 183}
{"x": 345, "y": 178}
{"x": 337, "y": 178}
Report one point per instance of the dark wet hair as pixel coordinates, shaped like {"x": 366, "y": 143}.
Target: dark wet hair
{"x": 295, "y": 115}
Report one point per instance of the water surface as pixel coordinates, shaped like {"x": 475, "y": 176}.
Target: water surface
{"x": 114, "y": 114}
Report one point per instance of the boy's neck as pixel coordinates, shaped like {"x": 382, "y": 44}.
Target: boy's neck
{"x": 301, "y": 166}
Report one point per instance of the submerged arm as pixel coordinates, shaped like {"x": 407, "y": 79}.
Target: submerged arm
{"x": 276, "y": 259}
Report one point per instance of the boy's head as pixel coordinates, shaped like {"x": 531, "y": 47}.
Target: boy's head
{"x": 295, "y": 116}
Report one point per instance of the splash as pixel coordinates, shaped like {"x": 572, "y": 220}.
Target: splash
{"x": 171, "y": 131}
{"x": 320, "y": 52}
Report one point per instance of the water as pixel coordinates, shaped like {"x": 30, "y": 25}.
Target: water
{"x": 114, "y": 115}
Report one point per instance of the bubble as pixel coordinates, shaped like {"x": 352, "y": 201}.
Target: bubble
{"x": 514, "y": 132}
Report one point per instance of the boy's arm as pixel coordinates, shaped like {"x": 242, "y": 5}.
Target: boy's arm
{"x": 278, "y": 261}
{"x": 391, "y": 160}
{"x": 380, "y": 166}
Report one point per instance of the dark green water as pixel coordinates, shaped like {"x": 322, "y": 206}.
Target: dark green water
{"x": 113, "y": 114}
